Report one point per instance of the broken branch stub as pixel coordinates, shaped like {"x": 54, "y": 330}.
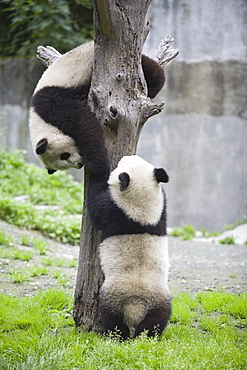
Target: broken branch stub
{"x": 163, "y": 55}
{"x": 47, "y": 55}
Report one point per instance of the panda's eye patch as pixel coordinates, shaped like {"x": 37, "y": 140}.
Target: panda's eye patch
{"x": 64, "y": 156}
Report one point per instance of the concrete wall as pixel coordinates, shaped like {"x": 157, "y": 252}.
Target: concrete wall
{"x": 18, "y": 78}
{"x": 201, "y": 136}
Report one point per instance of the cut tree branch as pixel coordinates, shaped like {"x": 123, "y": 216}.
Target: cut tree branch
{"x": 150, "y": 109}
{"x": 47, "y": 55}
{"x": 162, "y": 55}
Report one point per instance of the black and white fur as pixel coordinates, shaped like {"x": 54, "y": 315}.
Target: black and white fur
{"x": 130, "y": 208}
{"x": 64, "y": 131}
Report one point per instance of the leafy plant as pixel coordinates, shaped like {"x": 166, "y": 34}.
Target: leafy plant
{"x": 15, "y": 253}
{"x": 46, "y": 261}
{"x": 186, "y": 232}
{"x": 60, "y": 277}
{"x": 20, "y": 276}
{"x": 5, "y": 239}
{"x": 18, "y": 178}
{"x": 59, "y": 262}
{"x": 22, "y": 255}
{"x": 240, "y": 222}
{"x": 25, "y": 240}
{"x": 209, "y": 234}
{"x": 41, "y": 246}
{"x": 38, "y": 270}
{"x": 73, "y": 263}
{"x": 227, "y": 240}
{"x": 27, "y": 24}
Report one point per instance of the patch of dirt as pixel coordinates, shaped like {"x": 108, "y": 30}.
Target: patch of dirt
{"x": 194, "y": 266}
{"x": 57, "y": 252}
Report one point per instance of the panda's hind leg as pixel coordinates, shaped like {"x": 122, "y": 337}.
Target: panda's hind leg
{"x": 155, "y": 320}
{"x": 154, "y": 75}
{"x": 113, "y": 323}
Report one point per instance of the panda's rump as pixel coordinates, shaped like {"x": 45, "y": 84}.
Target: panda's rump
{"x": 72, "y": 69}
{"x": 135, "y": 269}
{"x": 132, "y": 308}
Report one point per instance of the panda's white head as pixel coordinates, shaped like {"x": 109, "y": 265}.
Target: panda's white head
{"x": 135, "y": 188}
{"x": 54, "y": 149}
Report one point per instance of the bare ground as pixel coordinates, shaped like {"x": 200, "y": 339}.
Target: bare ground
{"x": 194, "y": 266}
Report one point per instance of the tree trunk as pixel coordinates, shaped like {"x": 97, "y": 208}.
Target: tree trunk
{"x": 119, "y": 99}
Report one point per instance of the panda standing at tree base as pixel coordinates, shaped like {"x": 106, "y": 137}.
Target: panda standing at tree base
{"x": 130, "y": 209}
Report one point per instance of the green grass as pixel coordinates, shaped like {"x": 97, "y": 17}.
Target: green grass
{"x": 72, "y": 263}
{"x": 41, "y": 246}
{"x": 62, "y": 280}
{"x": 47, "y": 261}
{"x": 22, "y": 255}
{"x": 5, "y": 239}
{"x": 209, "y": 234}
{"x": 18, "y": 178}
{"x": 240, "y": 222}
{"x": 227, "y": 240}
{"x": 59, "y": 262}
{"x": 38, "y": 270}
{"x": 186, "y": 232}
{"x": 206, "y": 332}
{"x": 15, "y": 253}
{"x": 19, "y": 276}
{"x": 25, "y": 240}
{"x": 10, "y": 247}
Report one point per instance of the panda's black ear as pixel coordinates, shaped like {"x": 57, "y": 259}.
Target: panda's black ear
{"x": 41, "y": 146}
{"x": 161, "y": 175}
{"x": 50, "y": 171}
{"x": 124, "y": 180}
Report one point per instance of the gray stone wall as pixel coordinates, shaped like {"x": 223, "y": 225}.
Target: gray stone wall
{"x": 201, "y": 136}
{"x": 18, "y": 78}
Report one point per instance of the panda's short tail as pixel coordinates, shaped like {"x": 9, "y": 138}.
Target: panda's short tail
{"x": 134, "y": 311}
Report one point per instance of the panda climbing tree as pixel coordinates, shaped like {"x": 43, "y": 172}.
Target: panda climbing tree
{"x": 119, "y": 95}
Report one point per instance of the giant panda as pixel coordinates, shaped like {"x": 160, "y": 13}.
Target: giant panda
{"x": 64, "y": 131}
{"x": 130, "y": 209}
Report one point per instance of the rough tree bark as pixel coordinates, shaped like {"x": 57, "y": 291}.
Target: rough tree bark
{"x": 118, "y": 97}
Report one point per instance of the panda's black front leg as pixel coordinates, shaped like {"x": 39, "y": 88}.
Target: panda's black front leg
{"x": 113, "y": 323}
